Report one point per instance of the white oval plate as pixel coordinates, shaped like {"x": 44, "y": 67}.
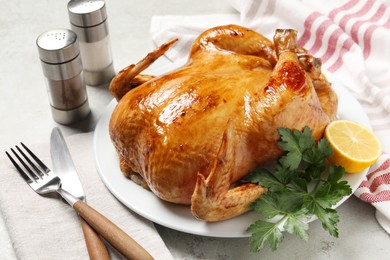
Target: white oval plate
{"x": 179, "y": 217}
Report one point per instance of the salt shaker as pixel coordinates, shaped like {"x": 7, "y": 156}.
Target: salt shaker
{"x": 62, "y": 67}
{"x": 88, "y": 19}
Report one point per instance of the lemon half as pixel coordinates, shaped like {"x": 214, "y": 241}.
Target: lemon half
{"x": 354, "y": 146}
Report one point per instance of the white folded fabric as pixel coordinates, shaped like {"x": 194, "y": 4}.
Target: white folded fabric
{"x": 186, "y": 29}
{"x": 47, "y": 228}
{"x": 352, "y": 38}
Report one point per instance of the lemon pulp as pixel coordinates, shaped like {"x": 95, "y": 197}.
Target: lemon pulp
{"x": 354, "y": 146}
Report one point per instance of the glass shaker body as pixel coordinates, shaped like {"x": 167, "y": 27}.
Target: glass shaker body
{"x": 88, "y": 20}
{"x": 62, "y": 68}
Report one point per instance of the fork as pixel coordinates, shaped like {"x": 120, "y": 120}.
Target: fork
{"x": 43, "y": 181}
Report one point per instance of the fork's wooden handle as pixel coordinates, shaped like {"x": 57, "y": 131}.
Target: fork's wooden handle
{"x": 122, "y": 242}
{"x": 96, "y": 248}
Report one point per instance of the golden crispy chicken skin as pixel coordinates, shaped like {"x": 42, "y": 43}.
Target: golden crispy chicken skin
{"x": 191, "y": 134}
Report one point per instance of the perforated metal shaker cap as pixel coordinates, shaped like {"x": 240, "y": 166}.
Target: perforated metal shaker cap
{"x": 86, "y": 13}
{"x": 57, "y": 46}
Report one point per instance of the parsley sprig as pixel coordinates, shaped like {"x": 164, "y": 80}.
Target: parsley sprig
{"x": 300, "y": 187}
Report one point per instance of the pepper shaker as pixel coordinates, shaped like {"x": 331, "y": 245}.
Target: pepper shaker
{"x": 62, "y": 67}
{"x": 88, "y": 19}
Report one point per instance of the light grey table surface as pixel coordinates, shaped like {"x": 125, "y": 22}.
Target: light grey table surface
{"x": 25, "y": 115}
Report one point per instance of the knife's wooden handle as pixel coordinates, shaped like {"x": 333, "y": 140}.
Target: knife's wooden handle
{"x": 96, "y": 248}
{"x": 122, "y": 242}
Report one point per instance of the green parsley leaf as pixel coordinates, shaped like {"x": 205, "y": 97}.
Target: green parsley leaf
{"x": 300, "y": 187}
{"x": 295, "y": 143}
{"x": 335, "y": 173}
{"x": 332, "y": 191}
{"x": 265, "y": 178}
{"x": 317, "y": 154}
{"x": 327, "y": 216}
{"x": 284, "y": 175}
{"x": 300, "y": 184}
{"x": 274, "y": 203}
{"x": 267, "y": 206}
{"x": 315, "y": 157}
{"x": 298, "y": 224}
{"x": 263, "y": 232}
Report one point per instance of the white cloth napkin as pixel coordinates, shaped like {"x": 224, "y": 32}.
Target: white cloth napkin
{"x": 47, "y": 228}
{"x": 352, "y": 38}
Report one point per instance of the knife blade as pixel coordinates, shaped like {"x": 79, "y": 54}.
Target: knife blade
{"x": 64, "y": 167}
{"x": 122, "y": 242}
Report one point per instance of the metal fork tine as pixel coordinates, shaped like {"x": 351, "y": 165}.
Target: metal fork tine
{"x": 41, "y": 164}
{"x": 29, "y": 167}
{"x": 36, "y": 171}
{"x": 20, "y": 170}
{"x": 31, "y": 173}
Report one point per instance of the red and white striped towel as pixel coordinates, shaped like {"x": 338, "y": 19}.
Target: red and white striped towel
{"x": 375, "y": 189}
{"x": 352, "y": 37}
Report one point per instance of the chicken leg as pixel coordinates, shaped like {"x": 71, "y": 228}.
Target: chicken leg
{"x": 213, "y": 199}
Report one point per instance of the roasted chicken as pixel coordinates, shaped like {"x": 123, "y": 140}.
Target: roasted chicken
{"x": 191, "y": 134}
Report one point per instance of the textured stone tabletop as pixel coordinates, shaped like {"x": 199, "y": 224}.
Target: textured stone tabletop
{"x": 25, "y": 115}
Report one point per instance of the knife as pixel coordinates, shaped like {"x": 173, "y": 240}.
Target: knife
{"x": 63, "y": 166}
